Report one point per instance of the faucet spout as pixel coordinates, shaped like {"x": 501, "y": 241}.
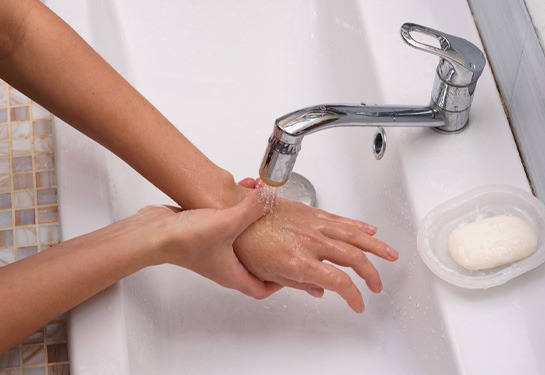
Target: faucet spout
{"x": 460, "y": 66}
{"x": 285, "y": 141}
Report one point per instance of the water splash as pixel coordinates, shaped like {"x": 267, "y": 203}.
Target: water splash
{"x": 267, "y": 197}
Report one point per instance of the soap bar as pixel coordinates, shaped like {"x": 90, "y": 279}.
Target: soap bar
{"x": 492, "y": 242}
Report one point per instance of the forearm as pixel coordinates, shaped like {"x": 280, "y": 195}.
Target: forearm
{"x": 55, "y": 67}
{"x": 37, "y": 289}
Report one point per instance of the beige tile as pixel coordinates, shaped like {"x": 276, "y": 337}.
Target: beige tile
{"x": 19, "y": 113}
{"x": 46, "y": 179}
{"x": 26, "y": 236}
{"x": 23, "y": 181}
{"x": 42, "y": 127}
{"x": 17, "y": 98}
{"x": 20, "y": 130}
{"x": 33, "y": 355}
{"x": 47, "y": 196}
{"x": 23, "y": 199}
{"x": 43, "y": 144}
{"x": 44, "y": 161}
{"x": 7, "y": 256}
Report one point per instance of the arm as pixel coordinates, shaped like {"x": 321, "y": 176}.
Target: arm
{"x": 51, "y": 64}
{"x": 200, "y": 240}
{"x": 47, "y": 60}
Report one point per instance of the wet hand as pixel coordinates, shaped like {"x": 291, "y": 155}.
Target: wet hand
{"x": 202, "y": 240}
{"x": 289, "y": 245}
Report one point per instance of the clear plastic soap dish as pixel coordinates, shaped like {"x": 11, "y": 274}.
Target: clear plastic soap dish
{"x": 480, "y": 203}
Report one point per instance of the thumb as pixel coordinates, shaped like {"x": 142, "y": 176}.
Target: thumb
{"x": 254, "y": 206}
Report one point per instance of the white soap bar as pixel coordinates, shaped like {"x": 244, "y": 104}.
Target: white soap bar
{"x": 492, "y": 242}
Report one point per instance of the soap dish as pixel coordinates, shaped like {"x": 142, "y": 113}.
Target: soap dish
{"x": 477, "y": 204}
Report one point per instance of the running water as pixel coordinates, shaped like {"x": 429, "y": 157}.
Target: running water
{"x": 268, "y": 198}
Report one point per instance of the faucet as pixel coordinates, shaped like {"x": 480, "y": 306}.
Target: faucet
{"x": 460, "y": 66}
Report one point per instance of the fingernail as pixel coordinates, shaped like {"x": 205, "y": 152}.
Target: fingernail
{"x": 362, "y": 307}
{"x": 371, "y": 228}
{"x": 314, "y": 292}
{"x": 380, "y": 287}
{"x": 392, "y": 253}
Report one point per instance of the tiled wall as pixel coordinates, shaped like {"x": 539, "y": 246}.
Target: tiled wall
{"x": 518, "y": 61}
{"x": 29, "y": 221}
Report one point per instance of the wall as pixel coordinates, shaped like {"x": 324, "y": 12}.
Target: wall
{"x": 518, "y": 61}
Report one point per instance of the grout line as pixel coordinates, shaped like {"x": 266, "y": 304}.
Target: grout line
{"x": 46, "y": 147}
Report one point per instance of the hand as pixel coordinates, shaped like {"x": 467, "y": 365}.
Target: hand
{"x": 202, "y": 241}
{"x": 287, "y": 247}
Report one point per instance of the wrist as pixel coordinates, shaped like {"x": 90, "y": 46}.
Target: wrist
{"x": 229, "y": 192}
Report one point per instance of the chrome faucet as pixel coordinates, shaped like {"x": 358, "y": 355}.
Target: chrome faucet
{"x": 460, "y": 66}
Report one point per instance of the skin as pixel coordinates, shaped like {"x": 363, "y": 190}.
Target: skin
{"x": 44, "y": 58}
{"x": 155, "y": 235}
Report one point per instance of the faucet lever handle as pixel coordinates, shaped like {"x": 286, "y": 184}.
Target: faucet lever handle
{"x": 461, "y": 61}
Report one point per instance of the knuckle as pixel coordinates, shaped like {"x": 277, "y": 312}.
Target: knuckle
{"x": 341, "y": 280}
{"x": 360, "y": 257}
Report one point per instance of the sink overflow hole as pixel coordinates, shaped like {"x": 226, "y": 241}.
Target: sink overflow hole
{"x": 379, "y": 143}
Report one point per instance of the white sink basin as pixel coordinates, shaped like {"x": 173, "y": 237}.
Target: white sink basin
{"x": 224, "y": 71}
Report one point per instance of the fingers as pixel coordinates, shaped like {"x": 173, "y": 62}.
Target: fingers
{"x": 352, "y": 236}
{"x": 253, "y": 287}
{"x": 248, "y": 182}
{"x": 313, "y": 290}
{"x": 331, "y": 278}
{"x": 346, "y": 255}
{"x": 367, "y": 228}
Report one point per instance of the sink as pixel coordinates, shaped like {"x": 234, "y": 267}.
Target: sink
{"x": 192, "y": 57}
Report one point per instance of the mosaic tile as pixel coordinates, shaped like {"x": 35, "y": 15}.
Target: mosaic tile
{"x": 28, "y": 214}
{"x": 25, "y": 217}
{"x": 49, "y": 233}
{"x": 48, "y": 215}
{"x": 25, "y": 252}
{"x": 59, "y": 369}
{"x": 4, "y": 131}
{"x": 5, "y": 219}
{"x": 43, "y": 144}
{"x": 3, "y": 96}
{"x": 33, "y": 355}
{"x": 4, "y": 148}
{"x": 21, "y": 146}
{"x": 55, "y": 331}
{"x": 25, "y": 236}
{"x": 46, "y": 196}
{"x": 34, "y": 370}
{"x": 46, "y": 179}
{"x": 19, "y": 113}
{"x": 36, "y": 338}
{"x": 10, "y": 358}
{"x": 5, "y": 183}
{"x": 7, "y": 256}
{"x": 22, "y": 163}
{"x": 17, "y": 98}
{"x": 3, "y": 115}
{"x": 44, "y": 161}
{"x": 23, "y": 181}
{"x": 10, "y": 372}
{"x": 22, "y": 199}
{"x": 5, "y": 201}
{"x": 57, "y": 353}
{"x": 43, "y": 127}
{"x": 6, "y": 238}
{"x": 4, "y": 166}
{"x": 39, "y": 112}
{"x": 20, "y": 130}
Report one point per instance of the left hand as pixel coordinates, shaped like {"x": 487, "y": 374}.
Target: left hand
{"x": 289, "y": 245}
